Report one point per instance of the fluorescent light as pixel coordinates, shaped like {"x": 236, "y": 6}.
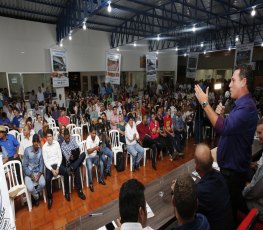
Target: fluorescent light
{"x": 202, "y": 44}
{"x": 262, "y": 44}
{"x": 84, "y": 26}
{"x": 118, "y": 49}
{"x": 70, "y": 37}
{"x": 229, "y": 48}
{"x": 194, "y": 29}
{"x": 61, "y": 43}
{"x": 157, "y": 52}
{"x": 158, "y": 37}
{"x": 237, "y": 38}
{"x": 185, "y": 54}
{"x": 176, "y": 48}
{"x": 134, "y": 44}
{"x": 253, "y": 12}
{"x": 204, "y": 51}
{"x": 109, "y": 6}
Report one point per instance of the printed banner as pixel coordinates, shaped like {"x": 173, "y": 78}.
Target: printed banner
{"x": 113, "y": 65}
{"x": 58, "y": 60}
{"x": 151, "y": 69}
{"x": 244, "y": 54}
{"x": 60, "y": 79}
{"x": 192, "y": 65}
{"x": 6, "y": 215}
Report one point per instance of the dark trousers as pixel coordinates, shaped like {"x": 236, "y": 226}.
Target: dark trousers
{"x": 49, "y": 176}
{"x": 148, "y": 142}
{"x": 235, "y": 183}
{"x": 167, "y": 142}
{"x": 76, "y": 168}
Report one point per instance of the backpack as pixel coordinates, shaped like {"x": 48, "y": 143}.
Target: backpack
{"x": 120, "y": 162}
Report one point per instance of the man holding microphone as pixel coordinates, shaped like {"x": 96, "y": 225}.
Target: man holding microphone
{"x": 236, "y": 131}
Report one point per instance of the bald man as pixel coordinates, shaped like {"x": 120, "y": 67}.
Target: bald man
{"x": 212, "y": 191}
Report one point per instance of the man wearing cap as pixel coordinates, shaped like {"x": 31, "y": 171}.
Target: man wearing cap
{"x": 133, "y": 147}
{"x": 33, "y": 168}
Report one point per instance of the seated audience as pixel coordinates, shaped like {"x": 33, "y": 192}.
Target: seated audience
{"x": 26, "y": 140}
{"x": 38, "y": 123}
{"x": 52, "y": 157}
{"x": 63, "y": 119}
{"x": 145, "y": 139}
{"x": 17, "y": 119}
{"x": 132, "y": 206}
{"x": 94, "y": 157}
{"x": 114, "y": 119}
{"x": 185, "y": 205}
{"x": 4, "y": 120}
{"x": 73, "y": 162}
{"x": 3, "y": 154}
{"x": 33, "y": 168}
{"x": 121, "y": 128}
{"x": 134, "y": 148}
{"x": 212, "y": 191}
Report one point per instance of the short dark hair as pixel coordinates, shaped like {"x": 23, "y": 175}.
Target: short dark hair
{"x": 66, "y": 131}
{"x": 92, "y": 128}
{"x": 35, "y": 138}
{"x": 185, "y": 196}
{"x": 131, "y": 199}
{"x": 260, "y": 121}
{"x": 49, "y": 131}
{"x": 246, "y": 72}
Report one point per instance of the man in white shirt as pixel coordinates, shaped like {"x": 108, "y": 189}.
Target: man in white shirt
{"x": 40, "y": 96}
{"x": 133, "y": 147}
{"x": 26, "y": 140}
{"x": 109, "y": 111}
{"x": 93, "y": 157}
{"x": 52, "y": 157}
{"x": 114, "y": 119}
{"x": 133, "y": 214}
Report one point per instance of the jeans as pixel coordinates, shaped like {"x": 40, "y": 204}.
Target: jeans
{"x": 49, "y": 176}
{"x": 33, "y": 188}
{"x": 137, "y": 153}
{"x": 106, "y": 152}
{"x": 98, "y": 162}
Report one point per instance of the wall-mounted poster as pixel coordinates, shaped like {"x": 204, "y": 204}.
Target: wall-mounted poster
{"x": 151, "y": 74}
{"x": 192, "y": 65}
{"x": 58, "y": 60}
{"x": 244, "y": 54}
{"x": 60, "y": 79}
{"x": 113, "y": 65}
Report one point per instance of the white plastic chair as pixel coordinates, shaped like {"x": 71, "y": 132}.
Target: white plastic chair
{"x": 70, "y": 127}
{"x": 77, "y": 138}
{"x": 14, "y": 132}
{"x": 6, "y": 128}
{"x": 30, "y": 112}
{"x": 77, "y": 130}
{"x": 82, "y": 147}
{"x": 60, "y": 181}
{"x": 14, "y": 188}
{"x": 131, "y": 161}
{"x": 55, "y": 132}
{"x": 116, "y": 145}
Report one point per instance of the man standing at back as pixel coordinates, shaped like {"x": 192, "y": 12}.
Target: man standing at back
{"x": 236, "y": 131}
{"x": 212, "y": 191}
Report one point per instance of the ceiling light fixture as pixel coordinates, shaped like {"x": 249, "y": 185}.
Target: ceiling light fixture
{"x": 118, "y": 49}
{"x": 176, "y": 48}
{"x": 194, "y": 29}
{"x": 84, "y": 26}
{"x": 185, "y": 54}
{"x": 70, "y": 37}
{"x": 262, "y": 44}
{"x": 204, "y": 51}
{"x": 253, "y": 12}
{"x": 229, "y": 48}
{"x": 202, "y": 44}
{"x": 61, "y": 43}
{"x": 134, "y": 44}
{"x": 237, "y": 38}
{"x": 109, "y": 6}
{"x": 157, "y": 52}
{"x": 158, "y": 37}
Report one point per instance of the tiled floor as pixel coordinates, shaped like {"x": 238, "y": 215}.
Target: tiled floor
{"x": 63, "y": 212}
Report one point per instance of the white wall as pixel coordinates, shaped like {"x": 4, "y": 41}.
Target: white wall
{"x": 24, "y": 47}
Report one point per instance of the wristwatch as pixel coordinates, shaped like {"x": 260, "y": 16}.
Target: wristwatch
{"x": 204, "y": 104}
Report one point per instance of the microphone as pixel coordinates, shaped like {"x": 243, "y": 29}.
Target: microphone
{"x": 226, "y": 97}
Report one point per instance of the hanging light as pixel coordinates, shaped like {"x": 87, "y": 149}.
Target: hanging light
{"x": 204, "y": 51}
{"x": 118, "y": 49}
{"x": 237, "y": 38}
{"x": 194, "y": 29}
{"x": 262, "y": 44}
{"x": 84, "y": 26}
{"x": 134, "y": 44}
{"x": 157, "y": 52}
{"x": 109, "y": 6}
{"x": 229, "y": 48}
{"x": 253, "y": 12}
{"x": 185, "y": 54}
{"x": 176, "y": 48}
{"x": 158, "y": 37}
{"x": 70, "y": 37}
{"x": 61, "y": 43}
{"x": 202, "y": 44}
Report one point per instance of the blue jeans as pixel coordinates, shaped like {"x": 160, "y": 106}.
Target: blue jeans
{"x": 34, "y": 190}
{"x": 94, "y": 160}
{"x": 137, "y": 153}
{"x": 107, "y": 152}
